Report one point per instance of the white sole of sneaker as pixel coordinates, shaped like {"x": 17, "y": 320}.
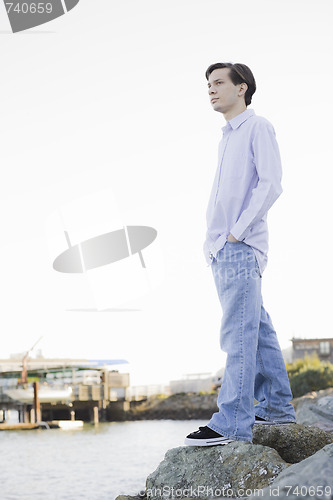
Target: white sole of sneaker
{"x": 207, "y": 442}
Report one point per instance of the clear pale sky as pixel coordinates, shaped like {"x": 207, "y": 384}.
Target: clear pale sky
{"x": 105, "y": 116}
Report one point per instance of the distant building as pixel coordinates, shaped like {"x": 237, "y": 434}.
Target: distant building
{"x": 197, "y": 382}
{"x": 140, "y": 392}
{"x": 66, "y": 387}
{"x": 322, "y": 347}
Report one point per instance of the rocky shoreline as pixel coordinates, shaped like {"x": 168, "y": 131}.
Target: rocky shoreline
{"x": 286, "y": 461}
{"x": 315, "y": 408}
{"x": 183, "y": 406}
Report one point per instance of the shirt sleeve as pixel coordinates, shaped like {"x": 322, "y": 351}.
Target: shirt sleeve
{"x": 268, "y": 165}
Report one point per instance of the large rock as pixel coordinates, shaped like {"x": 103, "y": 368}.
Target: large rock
{"x": 316, "y": 409}
{"x": 293, "y": 442}
{"x": 311, "y": 478}
{"x": 202, "y": 472}
{"x": 238, "y": 468}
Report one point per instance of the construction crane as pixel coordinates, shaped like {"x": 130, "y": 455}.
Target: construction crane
{"x": 24, "y": 373}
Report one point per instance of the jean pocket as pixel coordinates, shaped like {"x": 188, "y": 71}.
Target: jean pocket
{"x": 255, "y": 265}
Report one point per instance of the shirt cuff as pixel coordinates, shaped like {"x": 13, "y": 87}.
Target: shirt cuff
{"x": 239, "y": 236}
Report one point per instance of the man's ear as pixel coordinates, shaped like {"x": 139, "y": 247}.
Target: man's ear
{"x": 242, "y": 88}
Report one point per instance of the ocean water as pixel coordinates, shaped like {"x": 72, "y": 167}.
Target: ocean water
{"x": 93, "y": 463}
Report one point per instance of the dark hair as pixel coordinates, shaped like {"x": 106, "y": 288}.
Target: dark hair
{"x": 239, "y": 73}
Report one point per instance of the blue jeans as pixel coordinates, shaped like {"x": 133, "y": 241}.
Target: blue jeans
{"x": 255, "y": 367}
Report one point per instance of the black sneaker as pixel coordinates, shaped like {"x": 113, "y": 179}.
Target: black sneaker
{"x": 206, "y": 437}
{"x": 262, "y": 421}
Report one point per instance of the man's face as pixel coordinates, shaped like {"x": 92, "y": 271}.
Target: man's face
{"x": 223, "y": 94}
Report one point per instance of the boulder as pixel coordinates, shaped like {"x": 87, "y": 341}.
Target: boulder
{"x": 311, "y": 478}
{"x": 240, "y": 468}
{"x": 292, "y": 442}
{"x": 316, "y": 409}
{"x": 202, "y": 472}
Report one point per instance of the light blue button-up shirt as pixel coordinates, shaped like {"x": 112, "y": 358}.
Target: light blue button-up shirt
{"x": 247, "y": 183}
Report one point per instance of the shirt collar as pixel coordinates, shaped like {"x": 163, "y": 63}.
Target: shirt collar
{"x": 239, "y": 119}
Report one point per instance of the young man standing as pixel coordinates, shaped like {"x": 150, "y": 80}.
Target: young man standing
{"x": 246, "y": 184}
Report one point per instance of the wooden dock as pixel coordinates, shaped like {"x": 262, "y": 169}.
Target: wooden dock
{"x": 54, "y": 424}
{"x": 19, "y": 426}
{"x": 80, "y": 393}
